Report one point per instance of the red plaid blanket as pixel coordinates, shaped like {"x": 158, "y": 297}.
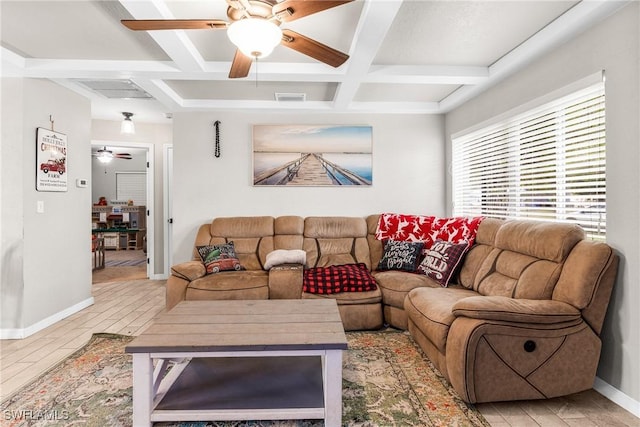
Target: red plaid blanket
{"x": 338, "y": 278}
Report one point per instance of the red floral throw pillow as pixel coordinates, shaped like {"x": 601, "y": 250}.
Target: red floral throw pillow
{"x": 338, "y": 278}
{"x": 441, "y": 261}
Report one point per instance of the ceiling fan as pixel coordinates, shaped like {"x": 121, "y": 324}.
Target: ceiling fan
{"x": 255, "y": 30}
{"x": 105, "y": 156}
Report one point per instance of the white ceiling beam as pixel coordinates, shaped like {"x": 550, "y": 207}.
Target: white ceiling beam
{"x": 427, "y": 74}
{"x": 375, "y": 21}
{"x": 12, "y": 63}
{"x": 176, "y": 44}
{"x": 161, "y": 91}
{"x": 299, "y": 72}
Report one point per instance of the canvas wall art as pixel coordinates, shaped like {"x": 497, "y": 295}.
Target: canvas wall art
{"x": 312, "y": 155}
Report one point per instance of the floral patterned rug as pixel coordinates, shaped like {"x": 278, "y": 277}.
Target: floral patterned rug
{"x": 387, "y": 381}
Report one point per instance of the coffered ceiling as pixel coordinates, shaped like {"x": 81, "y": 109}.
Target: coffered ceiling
{"x": 411, "y": 56}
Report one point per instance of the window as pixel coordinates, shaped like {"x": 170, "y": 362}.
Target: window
{"x": 547, "y": 164}
{"x": 132, "y": 186}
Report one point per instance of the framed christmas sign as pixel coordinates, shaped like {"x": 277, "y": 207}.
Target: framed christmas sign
{"x": 51, "y": 160}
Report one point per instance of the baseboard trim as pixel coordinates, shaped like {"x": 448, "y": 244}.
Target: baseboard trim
{"x": 616, "y": 396}
{"x": 14, "y": 334}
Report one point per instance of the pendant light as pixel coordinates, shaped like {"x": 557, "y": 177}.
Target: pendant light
{"x": 127, "y": 126}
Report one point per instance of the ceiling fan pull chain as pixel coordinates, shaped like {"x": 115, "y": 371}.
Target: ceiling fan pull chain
{"x": 216, "y": 152}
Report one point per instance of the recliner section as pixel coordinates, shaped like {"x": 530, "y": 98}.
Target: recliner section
{"x": 521, "y": 320}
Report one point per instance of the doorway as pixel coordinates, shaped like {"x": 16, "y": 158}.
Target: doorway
{"x": 122, "y": 218}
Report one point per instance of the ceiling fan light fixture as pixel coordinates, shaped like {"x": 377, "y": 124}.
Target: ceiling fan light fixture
{"x": 104, "y": 157}
{"x": 127, "y": 126}
{"x": 255, "y": 37}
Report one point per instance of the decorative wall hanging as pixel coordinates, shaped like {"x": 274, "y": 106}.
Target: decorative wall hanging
{"x": 51, "y": 160}
{"x": 216, "y": 149}
{"x": 312, "y": 155}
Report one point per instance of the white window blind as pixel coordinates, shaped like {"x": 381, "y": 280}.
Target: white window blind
{"x": 132, "y": 186}
{"x": 547, "y": 164}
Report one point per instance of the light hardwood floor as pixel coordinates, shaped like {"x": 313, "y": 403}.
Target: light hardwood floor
{"x": 128, "y": 307}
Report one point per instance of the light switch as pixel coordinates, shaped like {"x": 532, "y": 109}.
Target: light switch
{"x": 40, "y": 206}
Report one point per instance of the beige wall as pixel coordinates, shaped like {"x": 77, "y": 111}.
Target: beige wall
{"x": 613, "y": 46}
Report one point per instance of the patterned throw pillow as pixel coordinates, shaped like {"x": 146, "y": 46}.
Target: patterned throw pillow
{"x": 427, "y": 229}
{"x": 338, "y": 278}
{"x": 400, "y": 255}
{"x": 218, "y": 258}
{"x": 455, "y": 230}
{"x": 412, "y": 228}
{"x": 442, "y": 260}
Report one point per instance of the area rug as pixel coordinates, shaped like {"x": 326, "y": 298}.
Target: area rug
{"x": 387, "y": 381}
{"x": 125, "y": 262}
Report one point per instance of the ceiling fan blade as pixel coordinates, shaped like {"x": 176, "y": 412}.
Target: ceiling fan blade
{"x": 240, "y": 66}
{"x": 122, "y": 155}
{"x": 173, "y": 24}
{"x": 290, "y": 10}
{"x": 313, "y": 48}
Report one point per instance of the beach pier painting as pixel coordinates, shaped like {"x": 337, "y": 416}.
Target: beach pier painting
{"x": 312, "y": 155}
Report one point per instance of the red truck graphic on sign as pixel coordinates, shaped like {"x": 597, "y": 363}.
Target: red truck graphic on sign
{"x": 53, "y": 166}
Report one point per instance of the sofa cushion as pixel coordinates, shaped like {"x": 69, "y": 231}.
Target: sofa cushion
{"x": 335, "y": 241}
{"x": 544, "y": 240}
{"x": 431, "y": 310}
{"x": 350, "y": 298}
{"x": 218, "y": 258}
{"x": 400, "y": 255}
{"x": 442, "y": 260}
{"x": 250, "y": 284}
{"x": 338, "y": 278}
{"x": 289, "y": 232}
{"x": 396, "y": 284}
{"x": 252, "y": 236}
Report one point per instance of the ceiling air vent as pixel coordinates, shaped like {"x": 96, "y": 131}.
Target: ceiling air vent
{"x": 116, "y": 89}
{"x": 295, "y": 97}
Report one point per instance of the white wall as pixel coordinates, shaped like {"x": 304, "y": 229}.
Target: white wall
{"x": 612, "y": 46}
{"x": 46, "y": 271}
{"x": 408, "y": 171}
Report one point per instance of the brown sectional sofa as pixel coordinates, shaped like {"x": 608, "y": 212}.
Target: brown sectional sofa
{"x": 522, "y": 320}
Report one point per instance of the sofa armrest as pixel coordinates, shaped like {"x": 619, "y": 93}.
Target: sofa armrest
{"x": 285, "y": 281}
{"x": 190, "y": 270}
{"x": 516, "y": 310}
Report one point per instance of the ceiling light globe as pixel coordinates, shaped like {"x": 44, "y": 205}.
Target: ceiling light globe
{"x": 255, "y": 37}
{"x": 127, "y": 126}
{"x": 102, "y": 158}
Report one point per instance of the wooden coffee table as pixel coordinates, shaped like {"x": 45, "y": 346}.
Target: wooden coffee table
{"x": 240, "y": 360}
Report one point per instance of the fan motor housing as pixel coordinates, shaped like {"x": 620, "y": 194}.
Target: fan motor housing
{"x": 259, "y": 9}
